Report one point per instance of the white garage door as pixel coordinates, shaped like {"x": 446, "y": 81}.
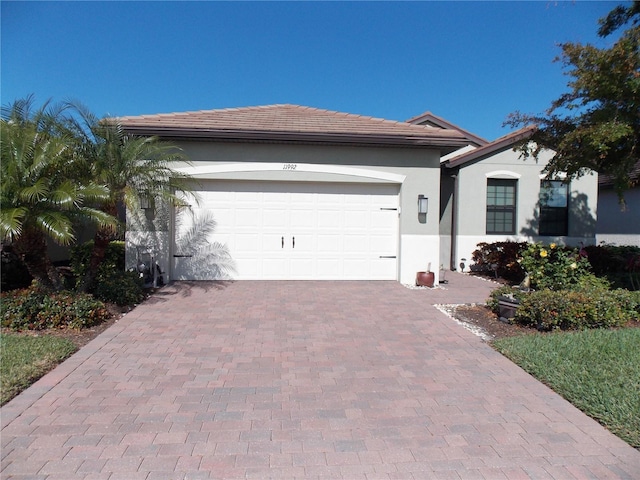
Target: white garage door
{"x": 282, "y": 231}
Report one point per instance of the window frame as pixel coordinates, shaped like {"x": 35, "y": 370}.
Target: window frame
{"x": 513, "y": 208}
{"x": 554, "y": 215}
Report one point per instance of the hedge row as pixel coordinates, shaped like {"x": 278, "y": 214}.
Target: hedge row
{"x": 585, "y": 307}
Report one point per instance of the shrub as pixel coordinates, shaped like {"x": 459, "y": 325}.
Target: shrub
{"x": 114, "y": 260}
{"x": 577, "y": 309}
{"x": 553, "y": 267}
{"x": 13, "y": 271}
{"x": 122, "y": 288}
{"x": 504, "y": 255}
{"x": 505, "y": 290}
{"x": 113, "y": 283}
{"x": 619, "y": 264}
{"x": 36, "y": 309}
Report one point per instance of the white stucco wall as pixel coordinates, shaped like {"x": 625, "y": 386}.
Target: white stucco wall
{"x": 415, "y": 170}
{"x": 472, "y": 191}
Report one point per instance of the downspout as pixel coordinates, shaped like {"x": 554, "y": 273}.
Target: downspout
{"x": 454, "y": 225}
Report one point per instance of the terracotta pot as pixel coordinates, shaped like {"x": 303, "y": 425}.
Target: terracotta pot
{"x": 425, "y": 279}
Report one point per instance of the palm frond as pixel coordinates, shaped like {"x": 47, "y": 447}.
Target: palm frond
{"x": 56, "y": 225}
{"x": 11, "y": 220}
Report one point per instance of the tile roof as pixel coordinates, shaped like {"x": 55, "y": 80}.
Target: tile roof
{"x": 607, "y": 181}
{"x": 291, "y": 123}
{"x": 428, "y": 118}
{"x": 497, "y": 145}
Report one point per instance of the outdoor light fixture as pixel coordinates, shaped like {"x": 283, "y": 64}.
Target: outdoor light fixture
{"x": 145, "y": 204}
{"x": 423, "y": 204}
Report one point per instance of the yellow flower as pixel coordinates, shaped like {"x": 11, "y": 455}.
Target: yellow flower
{"x": 543, "y": 253}
{"x": 574, "y": 265}
{"x": 552, "y": 246}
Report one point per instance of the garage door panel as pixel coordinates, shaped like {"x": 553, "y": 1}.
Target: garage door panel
{"x": 339, "y": 230}
{"x": 246, "y": 242}
{"x": 272, "y": 218}
{"x": 302, "y": 219}
{"x": 354, "y": 244}
{"x": 384, "y": 245}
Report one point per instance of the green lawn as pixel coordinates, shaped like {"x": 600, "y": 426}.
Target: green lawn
{"x": 24, "y": 359}
{"x": 598, "y": 371}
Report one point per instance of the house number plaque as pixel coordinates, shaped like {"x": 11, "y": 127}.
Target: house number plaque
{"x": 289, "y": 166}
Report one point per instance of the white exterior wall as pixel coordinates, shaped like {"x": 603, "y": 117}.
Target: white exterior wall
{"x": 471, "y": 212}
{"x": 415, "y": 171}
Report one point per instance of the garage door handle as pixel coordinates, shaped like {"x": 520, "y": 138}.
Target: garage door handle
{"x": 293, "y": 242}
{"x": 387, "y": 256}
{"x": 282, "y": 242}
{"x": 182, "y": 256}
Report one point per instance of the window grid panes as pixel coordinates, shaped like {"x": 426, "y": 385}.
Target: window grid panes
{"x": 501, "y": 206}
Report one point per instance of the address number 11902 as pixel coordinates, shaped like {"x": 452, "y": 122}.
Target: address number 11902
{"x": 289, "y": 166}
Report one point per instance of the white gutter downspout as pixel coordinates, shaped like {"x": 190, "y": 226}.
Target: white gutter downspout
{"x": 454, "y": 225}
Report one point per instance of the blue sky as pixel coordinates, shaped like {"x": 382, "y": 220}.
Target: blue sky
{"x": 470, "y": 62}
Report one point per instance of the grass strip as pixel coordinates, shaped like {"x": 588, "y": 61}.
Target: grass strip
{"x": 598, "y": 371}
{"x": 24, "y": 359}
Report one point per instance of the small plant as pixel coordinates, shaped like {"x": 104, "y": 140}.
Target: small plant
{"x": 113, "y": 284}
{"x": 114, "y": 260}
{"x": 121, "y": 288}
{"x": 500, "y": 258}
{"x": 554, "y": 267}
{"x": 36, "y": 309}
{"x": 504, "y": 291}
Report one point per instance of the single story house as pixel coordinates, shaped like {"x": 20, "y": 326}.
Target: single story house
{"x": 293, "y": 192}
{"x": 298, "y": 193}
{"x": 488, "y": 193}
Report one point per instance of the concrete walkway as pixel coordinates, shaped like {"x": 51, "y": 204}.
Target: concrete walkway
{"x": 354, "y": 380}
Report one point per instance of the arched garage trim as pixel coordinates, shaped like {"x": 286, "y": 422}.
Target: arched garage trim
{"x": 294, "y": 167}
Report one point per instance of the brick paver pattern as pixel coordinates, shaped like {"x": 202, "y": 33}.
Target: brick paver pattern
{"x": 354, "y": 380}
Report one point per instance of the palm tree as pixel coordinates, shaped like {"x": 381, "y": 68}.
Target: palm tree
{"x": 133, "y": 168}
{"x": 43, "y": 192}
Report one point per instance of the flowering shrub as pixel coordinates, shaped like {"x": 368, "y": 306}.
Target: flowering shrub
{"x": 35, "y": 309}
{"x": 553, "y": 267}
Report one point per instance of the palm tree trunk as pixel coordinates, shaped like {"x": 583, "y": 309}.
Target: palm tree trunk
{"x": 101, "y": 242}
{"x": 32, "y": 248}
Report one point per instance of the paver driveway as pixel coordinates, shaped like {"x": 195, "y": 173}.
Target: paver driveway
{"x": 300, "y": 379}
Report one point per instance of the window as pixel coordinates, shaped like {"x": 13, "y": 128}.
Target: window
{"x": 554, "y": 208}
{"x": 501, "y": 206}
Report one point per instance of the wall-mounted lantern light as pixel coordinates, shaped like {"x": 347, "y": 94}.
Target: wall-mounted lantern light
{"x": 145, "y": 203}
{"x": 423, "y": 204}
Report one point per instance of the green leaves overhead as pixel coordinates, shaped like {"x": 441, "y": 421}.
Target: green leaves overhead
{"x": 596, "y": 125}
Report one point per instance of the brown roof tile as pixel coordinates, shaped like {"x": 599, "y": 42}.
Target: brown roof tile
{"x": 607, "y": 181}
{"x": 290, "y": 123}
{"x": 429, "y": 119}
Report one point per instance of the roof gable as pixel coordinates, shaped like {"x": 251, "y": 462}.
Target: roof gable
{"x": 431, "y": 120}
{"x": 501, "y": 143}
{"x": 290, "y": 123}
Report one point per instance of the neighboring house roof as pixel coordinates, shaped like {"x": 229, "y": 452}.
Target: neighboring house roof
{"x": 291, "y": 123}
{"x": 606, "y": 181}
{"x": 501, "y": 143}
{"x": 431, "y": 120}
